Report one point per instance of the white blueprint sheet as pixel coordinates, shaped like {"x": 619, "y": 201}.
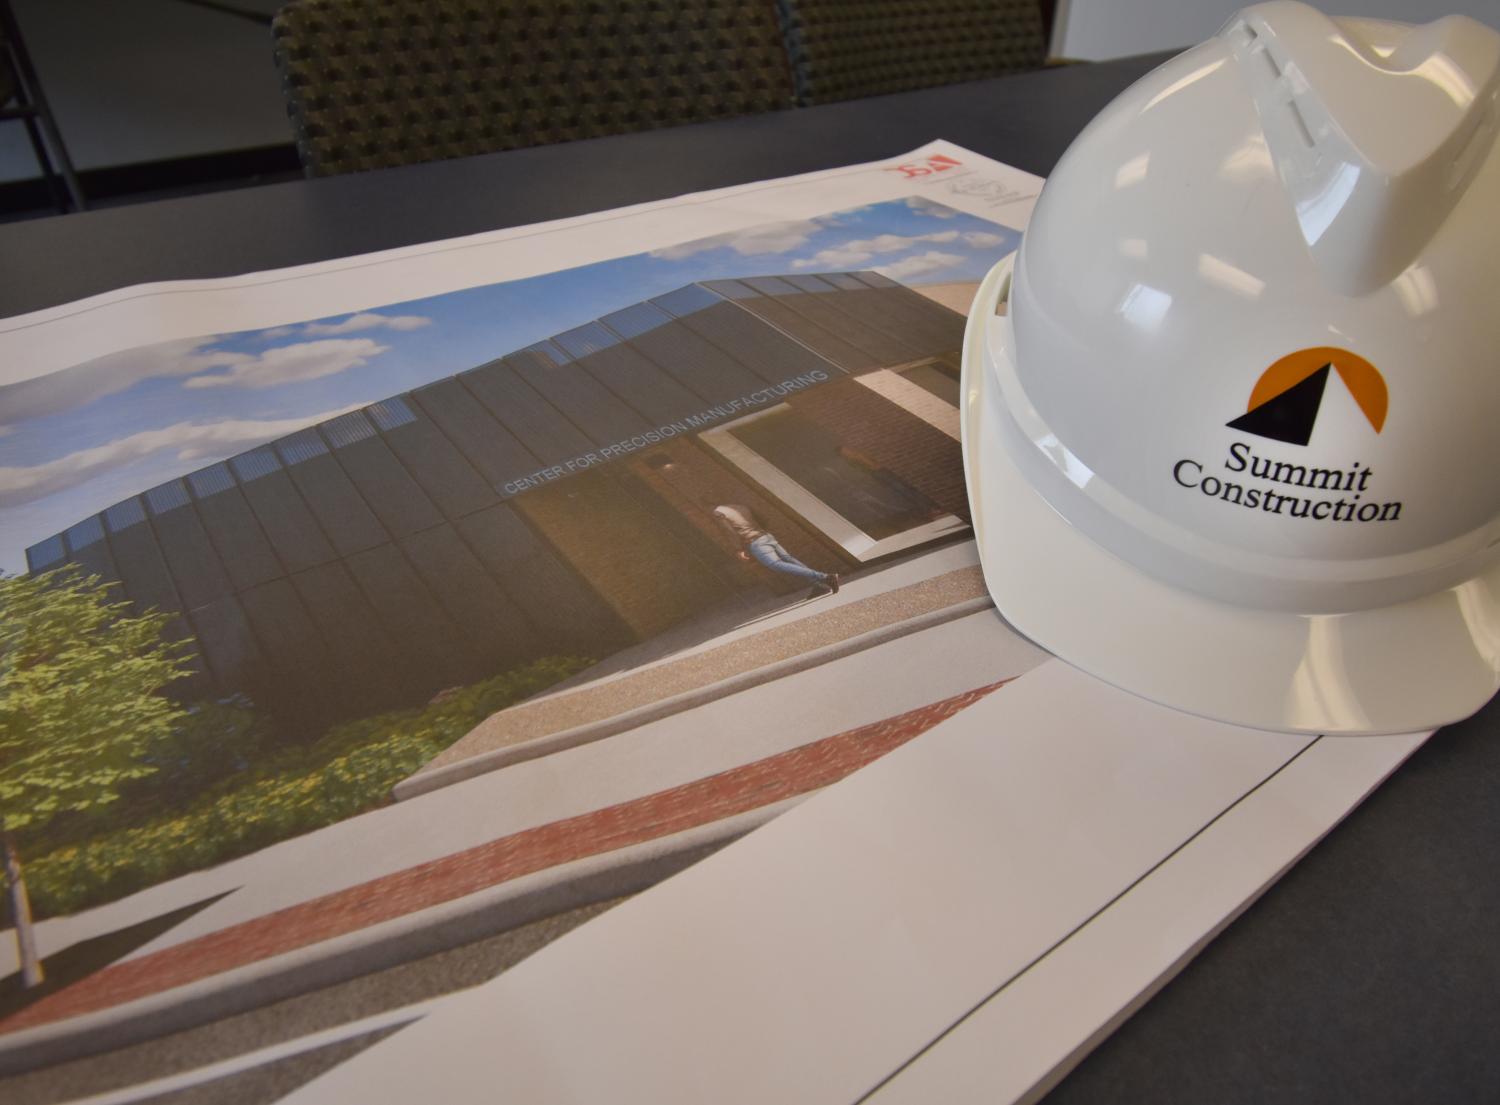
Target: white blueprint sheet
{"x": 954, "y": 922}
{"x": 961, "y": 920}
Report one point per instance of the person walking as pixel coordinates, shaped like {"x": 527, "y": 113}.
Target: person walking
{"x": 758, "y": 544}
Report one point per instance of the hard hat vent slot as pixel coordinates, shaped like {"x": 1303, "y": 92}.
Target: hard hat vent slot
{"x": 1271, "y": 63}
{"x": 1002, "y": 298}
{"x": 1241, "y": 33}
{"x": 1299, "y": 124}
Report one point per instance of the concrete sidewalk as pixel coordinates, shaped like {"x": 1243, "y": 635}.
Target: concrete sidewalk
{"x": 86, "y": 1005}
{"x": 735, "y": 729}
{"x": 771, "y": 647}
{"x": 668, "y": 756}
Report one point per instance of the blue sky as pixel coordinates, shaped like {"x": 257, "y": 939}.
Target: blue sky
{"x": 76, "y": 441}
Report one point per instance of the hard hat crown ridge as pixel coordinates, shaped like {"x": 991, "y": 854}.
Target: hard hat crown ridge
{"x": 1376, "y": 129}
{"x": 1231, "y": 439}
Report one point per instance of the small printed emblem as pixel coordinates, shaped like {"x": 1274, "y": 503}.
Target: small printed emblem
{"x": 1285, "y": 401}
{"x": 1284, "y": 407}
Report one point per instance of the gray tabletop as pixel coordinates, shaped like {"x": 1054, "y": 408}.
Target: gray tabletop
{"x": 1370, "y": 973}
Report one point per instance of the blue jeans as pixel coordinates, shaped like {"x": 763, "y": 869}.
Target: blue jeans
{"x": 769, "y": 552}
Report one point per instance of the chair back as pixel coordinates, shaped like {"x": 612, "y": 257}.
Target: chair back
{"x": 841, "y": 49}
{"x": 377, "y": 83}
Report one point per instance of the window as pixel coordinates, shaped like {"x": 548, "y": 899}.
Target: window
{"x": 85, "y": 533}
{"x": 926, "y": 389}
{"x": 935, "y": 378}
{"x": 123, "y": 515}
{"x": 300, "y": 446}
{"x": 211, "y": 480}
{"x": 45, "y": 554}
{"x": 851, "y": 498}
{"x": 255, "y": 464}
{"x": 167, "y": 497}
{"x": 390, "y": 413}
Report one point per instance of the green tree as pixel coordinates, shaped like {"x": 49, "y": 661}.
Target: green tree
{"x": 80, "y": 707}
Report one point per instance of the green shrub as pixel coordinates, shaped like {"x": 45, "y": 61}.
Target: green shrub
{"x": 349, "y": 770}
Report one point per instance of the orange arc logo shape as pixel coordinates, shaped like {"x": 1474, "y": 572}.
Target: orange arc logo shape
{"x": 1361, "y": 378}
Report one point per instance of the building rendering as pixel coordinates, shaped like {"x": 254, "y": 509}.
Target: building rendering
{"x": 555, "y": 501}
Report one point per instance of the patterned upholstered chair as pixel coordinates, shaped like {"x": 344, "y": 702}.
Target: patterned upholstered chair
{"x": 841, "y": 49}
{"x": 375, "y": 83}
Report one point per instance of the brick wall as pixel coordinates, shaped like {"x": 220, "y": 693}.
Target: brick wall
{"x": 626, "y": 550}
{"x": 872, "y": 425}
{"x": 696, "y": 477}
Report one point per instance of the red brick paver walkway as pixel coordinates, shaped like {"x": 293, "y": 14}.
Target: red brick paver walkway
{"x": 700, "y": 802}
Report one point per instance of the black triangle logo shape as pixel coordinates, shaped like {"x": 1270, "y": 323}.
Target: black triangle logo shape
{"x": 1289, "y": 416}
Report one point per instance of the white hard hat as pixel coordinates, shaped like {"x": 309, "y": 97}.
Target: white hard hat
{"x": 1234, "y": 444}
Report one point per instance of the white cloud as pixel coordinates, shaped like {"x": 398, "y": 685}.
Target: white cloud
{"x": 366, "y": 320}
{"x": 981, "y": 239}
{"x": 192, "y": 441}
{"x": 923, "y": 205}
{"x": 836, "y": 257}
{"x": 286, "y": 364}
{"x": 82, "y": 384}
{"x": 920, "y": 265}
{"x": 860, "y": 250}
{"x": 753, "y": 242}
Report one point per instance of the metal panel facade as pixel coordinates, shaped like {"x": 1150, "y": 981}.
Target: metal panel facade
{"x": 280, "y": 511}
{"x": 703, "y": 368}
{"x": 396, "y": 550}
{"x": 545, "y": 431}
{"x": 768, "y": 352}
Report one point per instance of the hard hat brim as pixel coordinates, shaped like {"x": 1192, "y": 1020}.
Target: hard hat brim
{"x": 1403, "y": 668}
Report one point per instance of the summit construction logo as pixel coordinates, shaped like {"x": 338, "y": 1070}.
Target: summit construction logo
{"x": 1284, "y": 406}
{"x": 1285, "y": 401}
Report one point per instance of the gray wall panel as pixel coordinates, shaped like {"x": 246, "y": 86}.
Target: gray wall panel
{"x": 641, "y": 383}
{"x": 381, "y": 479}
{"x": 89, "y": 548}
{"x": 46, "y": 554}
{"x": 772, "y": 309}
{"x": 940, "y": 326}
{"x": 562, "y": 606}
{"x": 502, "y": 635}
{"x": 190, "y": 556}
{"x": 199, "y": 682}
{"x": 712, "y": 374}
{"x": 341, "y": 513}
{"x": 348, "y": 624}
{"x": 235, "y": 533}
{"x": 431, "y": 643}
{"x": 482, "y": 439}
{"x": 593, "y": 407}
{"x": 943, "y": 318}
{"x": 294, "y": 533}
{"x": 228, "y": 644}
{"x": 291, "y": 643}
{"x": 453, "y": 484}
{"x": 876, "y": 337}
{"x": 926, "y": 326}
{"x": 766, "y": 351}
{"x": 142, "y": 567}
{"x": 538, "y": 425}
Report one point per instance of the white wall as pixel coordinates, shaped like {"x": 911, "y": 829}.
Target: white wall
{"x": 1096, "y": 29}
